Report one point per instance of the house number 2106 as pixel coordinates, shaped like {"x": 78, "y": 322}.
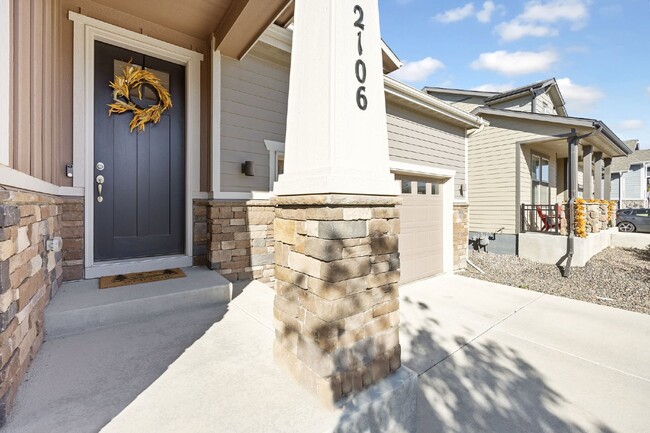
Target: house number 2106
{"x": 360, "y": 65}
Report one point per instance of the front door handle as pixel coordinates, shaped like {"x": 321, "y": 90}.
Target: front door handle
{"x": 100, "y": 186}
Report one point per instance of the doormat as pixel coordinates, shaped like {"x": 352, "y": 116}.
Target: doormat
{"x": 139, "y": 278}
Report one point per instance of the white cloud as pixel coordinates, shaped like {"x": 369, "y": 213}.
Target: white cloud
{"x": 538, "y": 19}
{"x": 632, "y": 124}
{"x": 579, "y": 97}
{"x": 490, "y": 87}
{"x": 513, "y": 30}
{"x": 485, "y": 14}
{"x": 457, "y": 14}
{"x": 574, "y": 11}
{"x": 418, "y": 71}
{"x": 517, "y": 63}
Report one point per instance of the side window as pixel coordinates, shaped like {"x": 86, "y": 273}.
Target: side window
{"x": 642, "y": 212}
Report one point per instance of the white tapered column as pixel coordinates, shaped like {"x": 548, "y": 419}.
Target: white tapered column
{"x": 336, "y": 138}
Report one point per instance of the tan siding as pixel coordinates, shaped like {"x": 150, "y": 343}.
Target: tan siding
{"x": 253, "y": 109}
{"x": 518, "y": 104}
{"x": 417, "y": 139}
{"x": 42, "y": 53}
{"x": 467, "y": 106}
{"x": 544, "y": 99}
{"x": 492, "y": 171}
{"x": 465, "y": 103}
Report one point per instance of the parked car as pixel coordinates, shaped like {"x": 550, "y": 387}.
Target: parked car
{"x": 633, "y": 220}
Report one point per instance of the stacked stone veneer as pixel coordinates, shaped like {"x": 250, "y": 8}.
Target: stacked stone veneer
{"x": 200, "y": 233}
{"x": 336, "y": 304}
{"x": 596, "y": 218}
{"x": 29, "y": 276}
{"x": 240, "y": 239}
{"x": 461, "y": 235}
{"x": 72, "y": 232}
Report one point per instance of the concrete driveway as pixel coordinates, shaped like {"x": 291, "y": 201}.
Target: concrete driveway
{"x": 492, "y": 358}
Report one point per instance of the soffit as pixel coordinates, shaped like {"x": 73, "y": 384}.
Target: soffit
{"x": 197, "y": 18}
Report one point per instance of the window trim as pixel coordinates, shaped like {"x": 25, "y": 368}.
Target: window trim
{"x": 533, "y": 175}
{"x": 276, "y": 150}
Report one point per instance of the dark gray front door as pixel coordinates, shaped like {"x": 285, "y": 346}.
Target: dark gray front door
{"x": 142, "y": 213}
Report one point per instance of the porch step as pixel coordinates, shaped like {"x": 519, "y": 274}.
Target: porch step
{"x": 80, "y": 305}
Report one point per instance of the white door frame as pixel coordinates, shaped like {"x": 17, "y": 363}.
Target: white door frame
{"x": 86, "y": 31}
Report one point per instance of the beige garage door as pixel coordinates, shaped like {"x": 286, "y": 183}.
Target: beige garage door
{"x": 420, "y": 241}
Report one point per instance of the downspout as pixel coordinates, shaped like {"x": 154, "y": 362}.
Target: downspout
{"x": 573, "y": 142}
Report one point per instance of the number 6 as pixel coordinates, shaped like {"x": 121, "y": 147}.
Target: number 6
{"x": 362, "y": 101}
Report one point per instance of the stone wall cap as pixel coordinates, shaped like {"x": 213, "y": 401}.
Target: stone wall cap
{"x": 243, "y": 202}
{"x": 15, "y": 197}
{"x": 336, "y": 199}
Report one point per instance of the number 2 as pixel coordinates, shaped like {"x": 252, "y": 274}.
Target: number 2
{"x": 359, "y": 22}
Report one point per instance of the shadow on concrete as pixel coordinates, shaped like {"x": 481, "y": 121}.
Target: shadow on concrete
{"x": 80, "y": 382}
{"x": 483, "y": 387}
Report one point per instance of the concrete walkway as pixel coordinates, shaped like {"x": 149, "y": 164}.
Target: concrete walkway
{"x": 493, "y": 358}
{"x": 490, "y": 358}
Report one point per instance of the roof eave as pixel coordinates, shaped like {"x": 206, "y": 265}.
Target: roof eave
{"x": 430, "y": 103}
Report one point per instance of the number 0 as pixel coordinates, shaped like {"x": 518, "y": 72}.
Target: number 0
{"x": 360, "y": 70}
{"x": 362, "y": 101}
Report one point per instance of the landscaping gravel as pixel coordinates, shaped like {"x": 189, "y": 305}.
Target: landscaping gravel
{"x": 617, "y": 277}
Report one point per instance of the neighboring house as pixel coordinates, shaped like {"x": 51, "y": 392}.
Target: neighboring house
{"x": 522, "y": 158}
{"x": 631, "y": 178}
{"x": 195, "y": 188}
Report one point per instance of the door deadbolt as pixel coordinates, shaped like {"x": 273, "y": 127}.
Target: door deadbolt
{"x": 100, "y": 166}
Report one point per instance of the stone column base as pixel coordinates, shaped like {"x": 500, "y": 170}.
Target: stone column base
{"x": 336, "y": 303}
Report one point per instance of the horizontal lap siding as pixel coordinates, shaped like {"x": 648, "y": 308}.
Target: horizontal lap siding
{"x": 542, "y": 99}
{"x": 492, "y": 171}
{"x": 254, "y": 98}
{"x": 523, "y": 103}
{"x": 416, "y": 139}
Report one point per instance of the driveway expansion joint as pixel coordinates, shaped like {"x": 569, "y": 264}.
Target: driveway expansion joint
{"x": 488, "y": 329}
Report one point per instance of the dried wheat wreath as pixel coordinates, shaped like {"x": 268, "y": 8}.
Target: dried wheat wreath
{"x": 134, "y": 79}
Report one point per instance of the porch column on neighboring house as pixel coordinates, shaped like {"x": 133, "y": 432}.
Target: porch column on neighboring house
{"x": 598, "y": 175}
{"x": 607, "y": 163}
{"x": 337, "y": 263}
{"x": 587, "y": 172}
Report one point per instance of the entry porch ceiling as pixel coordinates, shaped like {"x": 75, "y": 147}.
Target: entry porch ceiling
{"x": 236, "y": 24}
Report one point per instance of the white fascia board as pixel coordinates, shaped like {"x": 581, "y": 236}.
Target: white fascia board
{"x": 430, "y": 103}
{"x": 391, "y": 54}
{"x": 421, "y": 170}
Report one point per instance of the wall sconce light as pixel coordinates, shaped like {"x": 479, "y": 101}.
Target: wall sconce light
{"x": 462, "y": 190}
{"x": 247, "y": 168}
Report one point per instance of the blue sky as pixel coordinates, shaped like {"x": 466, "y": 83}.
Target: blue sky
{"x": 599, "y": 51}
